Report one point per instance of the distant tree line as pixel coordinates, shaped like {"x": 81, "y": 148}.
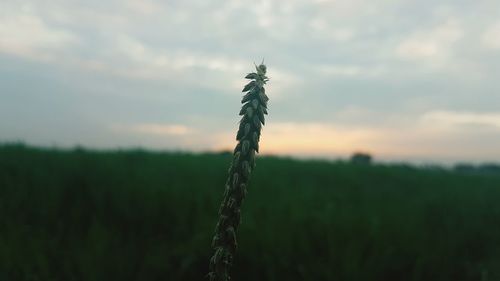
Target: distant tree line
{"x": 488, "y": 168}
{"x": 361, "y": 158}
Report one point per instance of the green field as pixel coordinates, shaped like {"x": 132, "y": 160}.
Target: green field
{"x": 137, "y": 215}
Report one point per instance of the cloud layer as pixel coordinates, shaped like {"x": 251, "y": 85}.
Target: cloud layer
{"x": 411, "y": 80}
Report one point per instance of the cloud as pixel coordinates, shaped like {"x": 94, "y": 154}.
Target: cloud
{"x": 451, "y": 119}
{"x": 27, "y": 35}
{"x": 434, "y": 45}
{"x": 145, "y": 7}
{"x": 359, "y": 71}
{"x": 323, "y": 28}
{"x": 157, "y": 129}
{"x": 149, "y": 57}
{"x": 491, "y": 36}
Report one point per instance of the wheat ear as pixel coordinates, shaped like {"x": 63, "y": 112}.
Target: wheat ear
{"x": 253, "y": 110}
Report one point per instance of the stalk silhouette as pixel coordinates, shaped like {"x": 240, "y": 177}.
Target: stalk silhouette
{"x": 253, "y": 110}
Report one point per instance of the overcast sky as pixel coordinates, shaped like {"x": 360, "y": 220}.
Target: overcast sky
{"x": 403, "y": 80}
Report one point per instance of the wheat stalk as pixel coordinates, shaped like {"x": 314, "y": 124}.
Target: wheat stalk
{"x": 253, "y": 111}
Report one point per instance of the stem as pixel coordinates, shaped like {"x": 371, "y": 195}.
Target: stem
{"x": 253, "y": 110}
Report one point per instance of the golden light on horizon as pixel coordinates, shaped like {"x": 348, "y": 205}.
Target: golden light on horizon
{"x": 314, "y": 138}
{"x": 308, "y": 139}
{"x": 429, "y": 137}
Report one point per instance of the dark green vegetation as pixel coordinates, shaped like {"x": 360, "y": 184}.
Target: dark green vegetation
{"x": 134, "y": 215}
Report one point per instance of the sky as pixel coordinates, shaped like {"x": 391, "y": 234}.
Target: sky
{"x": 408, "y": 80}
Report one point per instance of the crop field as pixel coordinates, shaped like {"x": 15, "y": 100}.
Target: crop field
{"x": 137, "y": 215}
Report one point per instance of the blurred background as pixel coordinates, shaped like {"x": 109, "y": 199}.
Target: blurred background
{"x": 379, "y": 159}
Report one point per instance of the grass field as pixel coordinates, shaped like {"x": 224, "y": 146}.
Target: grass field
{"x": 136, "y": 215}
